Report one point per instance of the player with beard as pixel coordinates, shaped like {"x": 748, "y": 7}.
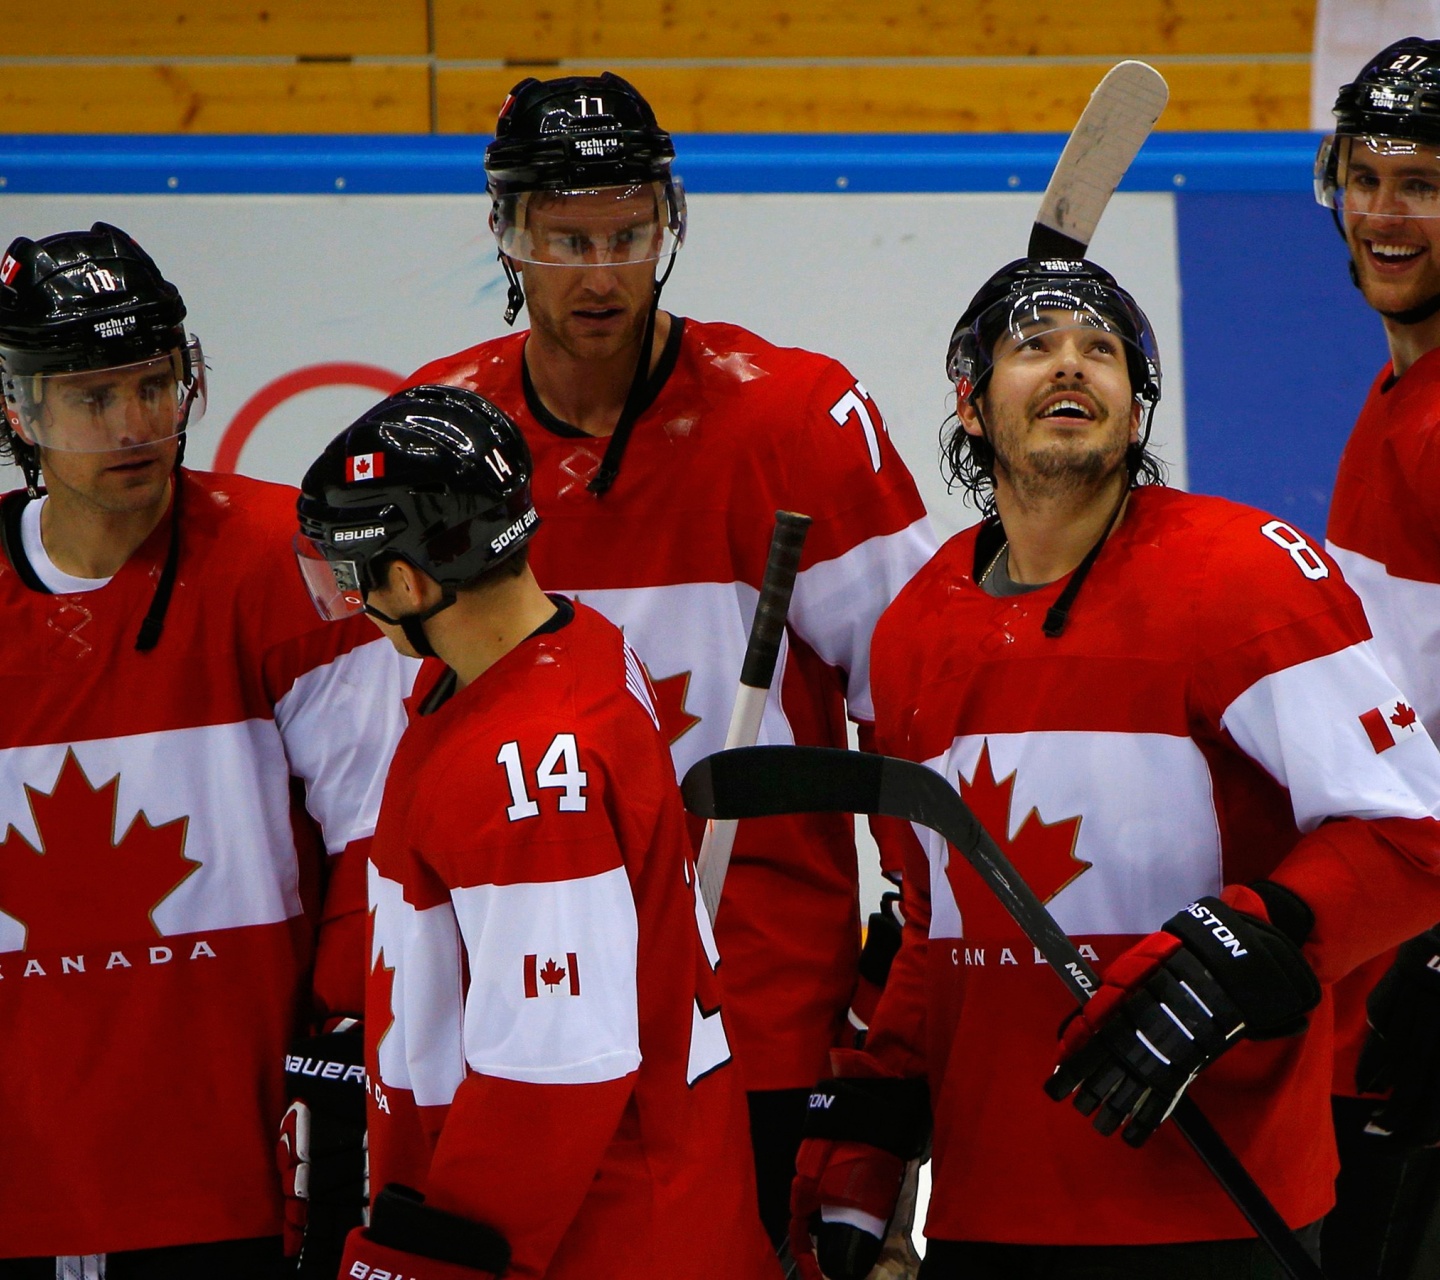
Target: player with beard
{"x": 1379, "y": 173}
{"x": 663, "y": 447}
{"x": 1151, "y": 699}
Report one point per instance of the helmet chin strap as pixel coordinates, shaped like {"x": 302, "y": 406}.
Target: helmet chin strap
{"x": 515, "y": 298}
{"x": 413, "y": 624}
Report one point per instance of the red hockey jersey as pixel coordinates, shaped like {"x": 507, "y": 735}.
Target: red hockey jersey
{"x": 1212, "y": 713}
{"x": 543, "y": 1030}
{"x": 1384, "y": 531}
{"x": 153, "y": 941}
{"x": 674, "y": 555}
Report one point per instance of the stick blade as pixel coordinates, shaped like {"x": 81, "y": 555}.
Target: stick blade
{"x": 1107, "y": 137}
{"x": 762, "y": 782}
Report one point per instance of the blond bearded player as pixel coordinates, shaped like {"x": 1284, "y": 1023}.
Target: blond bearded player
{"x": 663, "y": 447}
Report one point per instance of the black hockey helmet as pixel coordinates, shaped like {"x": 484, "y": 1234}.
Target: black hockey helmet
{"x": 1391, "y": 108}
{"x": 1019, "y": 299}
{"x": 1396, "y": 95}
{"x": 1389, "y": 113}
{"x": 589, "y": 150}
{"x": 576, "y": 133}
{"x": 82, "y": 301}
{"x": 436, "y": 476}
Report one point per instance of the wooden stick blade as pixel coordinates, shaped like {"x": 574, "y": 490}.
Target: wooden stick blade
{"x": 1106, "y": 139}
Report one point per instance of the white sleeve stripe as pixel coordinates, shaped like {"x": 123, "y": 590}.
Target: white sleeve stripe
{"x": 636, "y": 683}
{"x": 553, "y": 995}
{"x": 1303, "y": 725}
{"x": 838, "y": 602}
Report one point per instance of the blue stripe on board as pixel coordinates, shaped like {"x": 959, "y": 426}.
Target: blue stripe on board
{"x": 448, "y": 164}
{"x": 1280, "y": 350}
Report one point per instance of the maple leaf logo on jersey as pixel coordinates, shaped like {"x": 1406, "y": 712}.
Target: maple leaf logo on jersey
{"x": 552, "y": 975}
{"x": 82, "y": 887}
{"x": 1042, "y": 852}
{"x": 379, "y": 994}
{"x": 670, "y": 695}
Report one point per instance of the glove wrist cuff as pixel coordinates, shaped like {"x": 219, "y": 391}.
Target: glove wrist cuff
{"x": 893, "y": 1115}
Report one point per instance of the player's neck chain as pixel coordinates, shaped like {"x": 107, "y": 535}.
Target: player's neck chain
{"x": 990, "y": 568}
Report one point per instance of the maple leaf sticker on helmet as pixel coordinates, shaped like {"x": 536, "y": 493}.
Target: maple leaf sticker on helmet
{"x": 83, "y": 887}
{"x": 1043, "y": 852}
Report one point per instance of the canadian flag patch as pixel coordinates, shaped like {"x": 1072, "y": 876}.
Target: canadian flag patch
{"x": 8, "y": 267}
{"x": 1387, "y": 725}
{"x": 364, "y": 466}
{"x": 552, "y": 978}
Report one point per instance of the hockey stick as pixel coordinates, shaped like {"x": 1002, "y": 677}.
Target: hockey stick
{"x": 763, "y": 781}
{"x": 1107, "y": 137}
{"x": 758, "y": 670}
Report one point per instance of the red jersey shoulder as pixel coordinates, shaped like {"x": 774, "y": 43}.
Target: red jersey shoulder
{"x": 1247, "y": 572}
{"x": 490, "y": 368}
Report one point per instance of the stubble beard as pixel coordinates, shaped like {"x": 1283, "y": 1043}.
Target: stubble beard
{"x": 1060, "y": 469}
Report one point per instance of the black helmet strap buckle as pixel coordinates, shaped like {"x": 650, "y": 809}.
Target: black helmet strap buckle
{"x": 515, "y": 298}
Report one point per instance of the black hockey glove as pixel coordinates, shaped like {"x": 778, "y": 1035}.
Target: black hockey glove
{"x": 882, "y": 944}
{"x": 322, "y": 1149}
{"x": 408, "y": 1239}
{"x": 1217, "y": 972}
{"x": 1402, "y": 1053}
{"x": 859, "y": 1132}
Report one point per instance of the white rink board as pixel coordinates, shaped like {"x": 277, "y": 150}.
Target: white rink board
{"x": 275, "y": 284}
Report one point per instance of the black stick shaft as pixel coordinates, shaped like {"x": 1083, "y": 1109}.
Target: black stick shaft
{"x": 776, "y": 588}
{"x": 764, "y": 781}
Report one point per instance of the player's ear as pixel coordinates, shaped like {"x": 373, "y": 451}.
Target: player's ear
{"x": 1137, "y": 414}
{"x": 965, "y": 410}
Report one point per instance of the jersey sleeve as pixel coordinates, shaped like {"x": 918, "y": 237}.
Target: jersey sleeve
{"x": 1298, "y": 688}
{"x": 515, "y": 905}
{"x": 869, "y": 533}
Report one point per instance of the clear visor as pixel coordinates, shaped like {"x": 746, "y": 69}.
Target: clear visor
{"x": 1378, "y": 177}
{"x": 1038, "y": 325}
{"x": 334, "y": 585}
{"x": 129, "y": 406}
{"x": 606, "y": 226}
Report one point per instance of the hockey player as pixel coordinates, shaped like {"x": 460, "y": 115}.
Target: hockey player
{"x": 1379, "y": 173}
{"x": 658, "y": 479}
{"x": 1151, "y": 699}
{"x": 549, "y": 1063}
{"x": 171, "y": 708}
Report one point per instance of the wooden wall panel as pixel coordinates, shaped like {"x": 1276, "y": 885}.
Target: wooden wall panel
{"x": 503, "y": 29}
{"x": 177, "y": 28}
{"x": 908, "y": 99}
{"x": 299, "y": 98}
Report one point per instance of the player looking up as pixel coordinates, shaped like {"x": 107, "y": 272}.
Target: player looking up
{"x": 663, "y": 447}
{"x": 1379, "y": 173}
{"x": 548, "y": 1060}
{"x": 171, "y": 709}
{"x": 1151, "y": 699}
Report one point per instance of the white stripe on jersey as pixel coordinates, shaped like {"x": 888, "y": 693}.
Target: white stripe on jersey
{"x": 1303, "y": 725}
{"x": 838, "y": 602}
{"x": 423, "y": 1050}
{"x": 662, "y": 623}
{"x": 358, "y": 700}
{"x": 1405, "y": 617}
{"x": 1137, "y": 794}
{"x": 635, "y": 682}
{"x": 227, "y": 780}
{"x": 552, "y": 1038}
